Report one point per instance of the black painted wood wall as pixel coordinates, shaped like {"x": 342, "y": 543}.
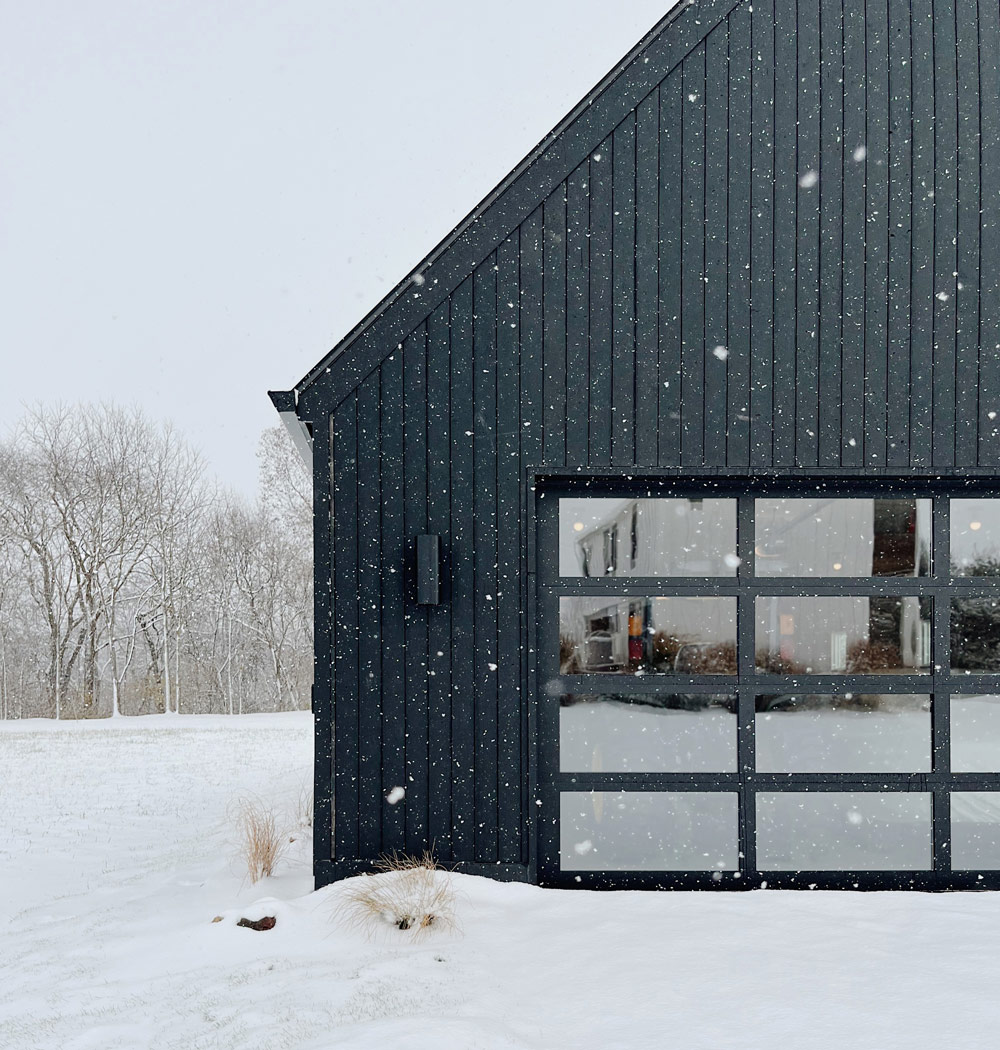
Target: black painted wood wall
{"x": 785, "y": 256}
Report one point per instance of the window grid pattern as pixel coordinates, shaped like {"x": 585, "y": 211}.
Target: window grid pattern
{"x": 749, "y": 683}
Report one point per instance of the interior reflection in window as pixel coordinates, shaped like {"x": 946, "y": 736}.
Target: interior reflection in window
{"x": 798, "y": 635}
{"x": 601, "y": 537}
{"x": 844, "y": 733}
{"x": 975, "y": 537}
{"x": 975, "y": 635}
{"x": 612, "y": 634}
{"x": 842, "y": 537}
{"x": 647, "y": 733}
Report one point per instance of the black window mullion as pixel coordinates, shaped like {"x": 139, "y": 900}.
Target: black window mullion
{"x": 745, "y": 646}
{"x": 941, "y": 702}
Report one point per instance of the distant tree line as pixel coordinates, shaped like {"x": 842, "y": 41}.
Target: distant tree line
{"x": 130, "y": 583}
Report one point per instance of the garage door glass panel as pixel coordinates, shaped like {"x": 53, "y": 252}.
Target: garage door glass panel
{"x": 612, "y": 634}
{"x": 845, "y": 733}
{"x": 605, "y": 537}
{"x": 844, "y": 831}
{"x": 975, "y": 830}
{"x": 841, "y": 635}
{"x": 658, "y": 733}
{"x": 842, "y": 537}
{"x": 975, "y": 635}
{"x": 975, "y": 733}
{"x": 648, "y": 831}
{"x": 975, "y": 537}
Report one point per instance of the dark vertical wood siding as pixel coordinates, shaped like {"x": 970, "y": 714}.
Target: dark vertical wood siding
{"x": 786, "y": 255}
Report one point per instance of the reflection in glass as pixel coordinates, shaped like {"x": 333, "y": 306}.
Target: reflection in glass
{"x": 844, "y": 831}
{"x": 975, "y": 635}
{"x": 799, "y": 635}
{"x": 600, "y": 537}
{"x": 975, "y": 830}
{"x": 975, "y": 733}
{"x": 842, "y": 537}
{"x": 613, "y": 634}
{"x": 648, "y": 831}
{"x": 651, "y": 733}
{"x": 845, "y": 733}
{"x": 975, "y": 537}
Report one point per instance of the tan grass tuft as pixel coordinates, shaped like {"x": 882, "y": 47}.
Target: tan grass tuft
{"x": 261, "y": 840}
{"x": 409, "y": 893}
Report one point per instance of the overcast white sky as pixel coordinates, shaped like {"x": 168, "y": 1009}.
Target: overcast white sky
{"x": 198, "y": 198}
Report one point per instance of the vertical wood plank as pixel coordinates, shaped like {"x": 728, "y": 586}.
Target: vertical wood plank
{"x": 555, "y": 326}
{"x": 967, "y": 285}
{"x": 807, "y": 237}
{"x": 577, "y": 315}
{"x": 716, "y": 339}
{"x": 945, "y": 230}
{"x": 831, "y": 261}
{"x": 877, "y": 243}
{"x": 762, "y": 260}
{"x": 647, "y": 352}
{"x": 785, "y": 219}
{"x": 439, "y": 617}
{"x": 855, "y": 235}
{"x": 693, "y": 262}
{"x": 738, "y": 294}
{"x": 601, "y": 167}
{"x": 623, "y": 352}
{"x": 921, "y": 231}
{"x": 900, "y": 196}
{"x": 508, "y": 596}
{"x": 347, "y": 735}
{"x": 370, "y": 802}
{"x": 669, "y": 322}
{"x": 415, "y": 499}
{"x": 392, "y": 605}
{"x": 485, "y": 547}
{"x": 989, "y": 291}
{"x": 463, "y": 598}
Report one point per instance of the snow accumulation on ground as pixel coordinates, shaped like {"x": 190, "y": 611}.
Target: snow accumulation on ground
{"x": 117, "y": 850}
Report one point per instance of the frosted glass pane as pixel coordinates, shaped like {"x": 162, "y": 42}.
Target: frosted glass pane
{"x": 678, "y": 733}
{"x": 975, "y": 733}
{"x": 844, "y": 831}
{"x": 846, "y": 733}
{"x": 648, "y": 831}
{"x": 602, "y": 537}
{"x": 975, "y": 830}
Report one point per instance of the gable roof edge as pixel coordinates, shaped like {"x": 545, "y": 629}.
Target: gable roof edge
{"x": 387, "y": 324}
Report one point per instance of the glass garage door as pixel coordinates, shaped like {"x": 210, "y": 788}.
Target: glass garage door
{"x": 787, "y": 688}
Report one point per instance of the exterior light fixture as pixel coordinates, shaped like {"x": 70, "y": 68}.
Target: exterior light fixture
{"x": 975, "y": 525}
{"x": 578, "y": 526}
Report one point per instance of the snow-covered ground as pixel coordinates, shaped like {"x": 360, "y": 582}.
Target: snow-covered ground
{"x": 116, "y": 852}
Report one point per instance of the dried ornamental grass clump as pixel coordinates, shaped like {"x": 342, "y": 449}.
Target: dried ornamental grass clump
{"x": 408, "y": 893}
{"x": 261, "y": 841}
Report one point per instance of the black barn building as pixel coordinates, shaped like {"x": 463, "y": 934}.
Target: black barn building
{"x": 657, "y": 526}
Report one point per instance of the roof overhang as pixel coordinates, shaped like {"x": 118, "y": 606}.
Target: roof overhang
{"x": 300, "y": 431}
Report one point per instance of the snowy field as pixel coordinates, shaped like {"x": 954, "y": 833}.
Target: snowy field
{"x": 116, "y": 852}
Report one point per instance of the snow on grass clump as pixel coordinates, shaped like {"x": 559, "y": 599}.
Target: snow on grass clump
{"x": 408, "y": 893}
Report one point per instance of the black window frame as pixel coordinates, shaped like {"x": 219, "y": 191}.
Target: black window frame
{"x": 748, "y": 683}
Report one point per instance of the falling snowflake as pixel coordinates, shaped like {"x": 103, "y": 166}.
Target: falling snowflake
{"x": 943, "y": 296}
{"x": 859, "y": 154}
{"x": 395, "y": 795}
{"x": 721, "y": 353}
{"x": 583, "y": 847}
{"x": 731, "y": 561}
{"x": 809, "y": 179}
